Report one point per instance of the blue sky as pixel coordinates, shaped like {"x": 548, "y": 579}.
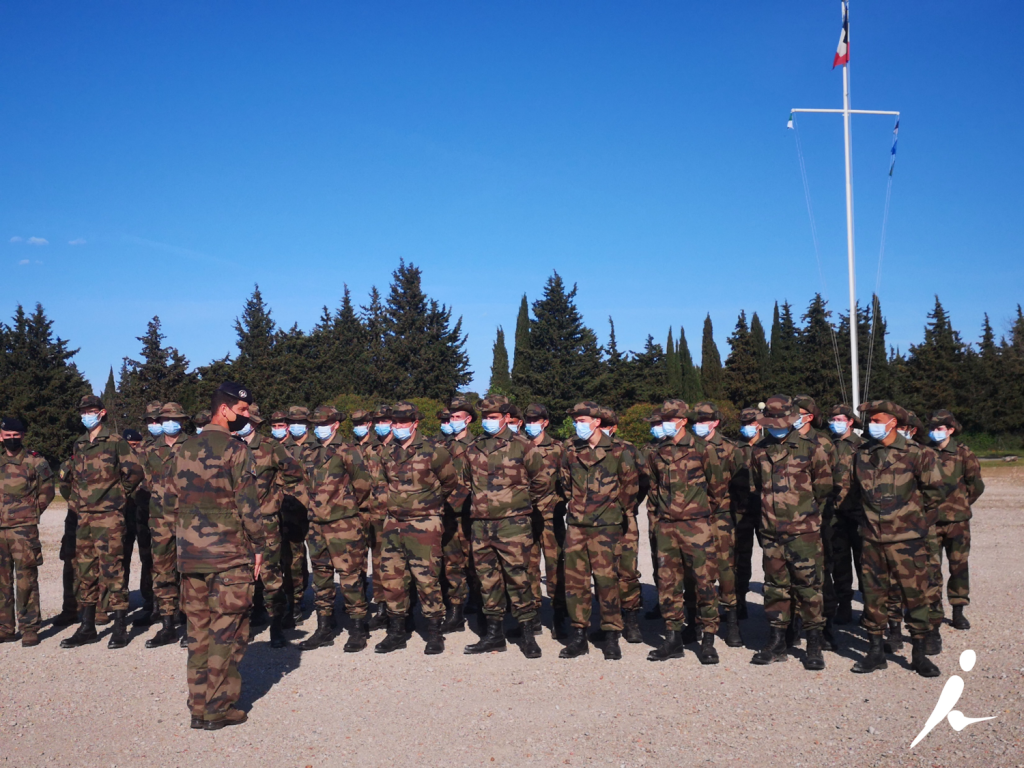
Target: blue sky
{"x": 171, "y": 155}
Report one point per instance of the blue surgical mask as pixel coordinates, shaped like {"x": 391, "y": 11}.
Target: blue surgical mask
{"x": 155, "y": 429}
{"x": 90, "y": 420}
{"x": 607, "y": 431}
{"x": 402, "y": 433}
{"x": 671, "y": 430}
{"x": 446, "y": 428}
{"x": 171, "y": 428}
{"x": 361, "y": 430}
{"x": 701, "y": 429}
{"x": 800, "y": 422}
{"x": 938, "y": 435}
{"x": 906, "y": 434}
{"x": 278, "y": 432}
{"x": 245, "y": 431}
{"x": 657, "y": 431}
{"x": 778, "y": 432}
{"x": 838, "y": 427}
{"x": 382, "y": 429}
{"x": 748, "y": 431}
{"x": 513, "y": 427}
{"x": 322, "y": 432}
{"x": 877, "y": 431}
{"x": 491, "y": 426}
{"x": 457, "y": 426}
{"x": 297, "y": 430}
{"x": 533, "y": 429}
{"x": 199, "y": 430}
{"x": 583, "y": 430}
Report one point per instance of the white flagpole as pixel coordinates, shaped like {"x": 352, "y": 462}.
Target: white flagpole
{"x": 854, "y": 357}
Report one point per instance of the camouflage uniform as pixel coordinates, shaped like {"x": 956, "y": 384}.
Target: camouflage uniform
{"x": 137, "y": 521}
{"x": 459, "y": 571}
{"x": 746, "y": 512}
{"x": 210, "y": 492}
{"x": 846, "y": 542}
{"x": 375, "y": 509}
{"x": 549, "y": 529}
{"x": 69, "y": 574}
{"x": 26, "y": 489}
{"x": 295, "y": 516}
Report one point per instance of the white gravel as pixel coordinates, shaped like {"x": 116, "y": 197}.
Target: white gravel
{"x": 97, "y": 707}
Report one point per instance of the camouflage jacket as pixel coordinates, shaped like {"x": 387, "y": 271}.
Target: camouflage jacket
{"x": 961, "y": 481}
{"x": 305, "y": 454}
{"x": 601, "y": 482}
{"x": 210, "y": 491}
{"x": 552, "y": 451}
{"x": 341, "y": 484}
{"x": 685, "y": 479}
{"x": 506, "y": 476}
{"x": 794, "y": 480}
{"x": 643, "y": 469}
{"x": 104, "y": 472}
{"x": 730, "y": 461}
{"x": 156, "y": 459}
{"x": 456, "y": 503}
{"x": 845, "y": 503}
{"x": 371, "y": 449}
{"x": 643, "y": 479}
{"x": 743, "y": 502}
{"x": 899, "y": 487}
{"x": 275, "y": 471}
{"x": 26, "y": 488}
{"x": 141, "y": 454}
{"x": 419, "y": 478}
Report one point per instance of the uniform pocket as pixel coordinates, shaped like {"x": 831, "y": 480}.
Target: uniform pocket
{"x": 234, "y": 590}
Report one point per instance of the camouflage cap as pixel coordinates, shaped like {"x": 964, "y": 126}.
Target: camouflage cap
{"x": 462, "y": 404}
{"x": 536, "y": 412}
{"x": 749, "y": 415}
{"x": 326, "y": 414}
{"x": 807, "y": 403}
{"x": 90, "y": 401}
{"x": 493, "y": 404}
{"x": 705, "y": 411}
{"x": 915, "y": 423}
{"x": 842, "y": 409}
{"x": 172, "y": 411}
{"x": 674, "y": 409}
{"x": 254, "y": 414}
{"x": 153, "y": 409}
{"x": 444, "y": 415}
{"x": 361, "y": 417}
{"x": 405, "y": 411}
{"x": 656, "y": 417}
{"x": 513, "y": 411}
{"x": 278, "y": 416}
{"x": 297, "y": 413}
{"x": 586, "y": 408}
{"x": 943, "y": 418}
{"x": 382, "y": 412}
{"x": 779, "y": 411}
{"x": 608, "y": 417}
{"x": 201, "y": 419}
{"x": 885, "y": 406}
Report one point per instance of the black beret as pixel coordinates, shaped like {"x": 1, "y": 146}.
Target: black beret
{"x": 12, "y": 424}
{"x": 236, "y": 391}
{"x": 131, "y": 434}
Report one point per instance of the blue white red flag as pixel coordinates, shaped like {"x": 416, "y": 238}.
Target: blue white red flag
{"x": 895, "y": 135}
{"x": 843, "y": 51}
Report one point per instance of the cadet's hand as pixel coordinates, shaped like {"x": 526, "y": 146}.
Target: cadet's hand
{"x": 256, "y": 569}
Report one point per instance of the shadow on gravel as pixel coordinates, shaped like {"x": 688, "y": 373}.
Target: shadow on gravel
{"x": 264, "y": 667}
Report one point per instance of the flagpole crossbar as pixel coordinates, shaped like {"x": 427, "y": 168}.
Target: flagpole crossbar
{"x": 851, "y": 111}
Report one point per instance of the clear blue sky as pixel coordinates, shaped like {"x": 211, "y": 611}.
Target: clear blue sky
{"x": 174, "y": 154}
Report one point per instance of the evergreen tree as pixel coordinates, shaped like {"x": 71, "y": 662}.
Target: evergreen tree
{"x": 615, "y": 388}
{"x": 521, "y": 364}
{"x": 673, "y": 371}
{"x": 161, "y": 374}
{"x": 690, "y": 389}
{"x": 935, "y": 367}
{"x": 785, "y": 374}
{"x": 762, "y": 355}
{"x": 1010, "y": 379}
{"x": 743, "y": 383}
{"x": 985, "y": 412}
{"x": 375, "y": 323}
{"x": 879, "y": 386}
{"x": 116, "y": 418}
{"x": 254, "y": 366}
{"x": 501, "y": 381}
{"x": 338, "y": 353}
{"x": 647, "y": 375}
{"x": 205, "y": 380}
{"x": 711, "y": 376}
{"x": 817, "y": 350}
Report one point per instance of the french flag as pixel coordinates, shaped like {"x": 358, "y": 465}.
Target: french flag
{"x": 843, "y": 51}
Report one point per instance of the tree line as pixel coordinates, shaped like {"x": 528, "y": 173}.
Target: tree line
{"x": 406, "y": 345}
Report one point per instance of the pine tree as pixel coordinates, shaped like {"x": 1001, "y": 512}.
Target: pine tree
{"x": 879, "y": 385}
{"x": 785, "y": 373}
{"x": 338, "y": 353}
{"x": 375, "y": 322}
{"x": 743, "y": 384}
{"x": 936, "y": 367}
{"x": 254, "y": 366}
{"x": 711, "y": 375}
{"x": 759, "y": 348}
{"x": 817, "y": 350}
{"x": 116, "y": 419}
{"x": 690, "y": 390}
{"x": 673, "y": 371}
{"x": 647, "y": 374}
{"x": 615, "y": 386}
{"x": 521, "y": 363}
{"x": 161, "y": 374}
{"x": 1010, "y": 379}
{"x": 501, "y": 381}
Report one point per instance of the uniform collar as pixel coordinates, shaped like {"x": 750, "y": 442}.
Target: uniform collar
{"x": 17, "y": 458}
{"x": 103, "y": 434}
{"x": 951, "y": 446}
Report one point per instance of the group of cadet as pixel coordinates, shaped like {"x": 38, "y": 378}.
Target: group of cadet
{"x": 225, "y": 518}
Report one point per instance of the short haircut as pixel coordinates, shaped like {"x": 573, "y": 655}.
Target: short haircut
{"x": 220, "y": 398}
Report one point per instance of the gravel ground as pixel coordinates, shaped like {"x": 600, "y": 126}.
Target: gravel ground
{"x": 97, "y": 707}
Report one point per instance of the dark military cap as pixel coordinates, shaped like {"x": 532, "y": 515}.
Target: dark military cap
{"x": 153, "y": 410}
{"x": 706, "y": 411}
{"x": 586, "y": 408}
{"x": 779, "y": 411}
{"x": 807, "y": 403}
{"x": 492, "y": 404}
{"x": 536, "y": 411}
{"x": 943, "y": 418}
{"x": 513, "y": 410}
{"x": 444, "y": 415}
{"x": 674, "y": 409}
{"x": 608, "y": 417}
{"x": 131, "y": 435}
{"x": 90, "y": 401}
{"x": 462, "y": 404}
{"x": 844, "y": 410}
{"x": 201, "y": 419}
{"x": 297, "y": 413}
{"x": 172, "y": 411}
{"x": 12, "y": 424}
{"x": 325, "y": 414}
{"x": 382, "y": 412}
{"x": 656, "y": 417}
{"x": 236, "y": 390}
{"x": 749, "y": 415}
{"x": 885, "y": 406}
{"x": 254, "y": 414}
{"x": 916, "y": 423}
{"x": 278, "y": 416}
{"x": 361, "y": 416}
{"x": 404, "y": 411}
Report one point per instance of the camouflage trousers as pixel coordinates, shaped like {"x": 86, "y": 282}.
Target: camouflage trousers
{"x": 217, "y": 608}
{"x": 953, "y": 538}
{"x": 828, "y": 590}
{"x": 549, "y": 547}
{"x": 743, "y": 552}
{"x": 592, "y": 553}
{"x": 69, "y": 575}
{"x": 458, "y": 557}
{"x": 630, "y": 596}
{"x": 136, "y": 518}
{"x": 846, "y": 546}
{"x": 345, "y": 547}
{"x": 412, "y": 554}
{"x": 99, "y": 551}
{"x": 723, "y": 534}
{"x": 501, "y": 553}
{"x": 687, "y": 552}
{"x": 373, "y": 535}
{"x": 21, "y": 554}
{"x": 166, "y": 579}
{"x": 652, "y": 539}
{"x": 294, "y": 531}
{"x": 271, "y": 572}
{"x": 903, "y": 564}
{"x": 793, "y": 572}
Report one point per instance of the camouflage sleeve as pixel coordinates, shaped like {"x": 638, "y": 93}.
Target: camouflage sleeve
{"x": 542, "y": 480}
{"x": 444, "y": 469}
{"x": 292, "y": 475}
{"x": 629, "y": 481}
{"x": 643, "y": 479}
{"x": 362, "y": 481}
{"x": 972, "y": 475}
{"x": 842, "y": 476}
{"x": 64, "y": 480}
{"x": 653, "y": 482}
{"x": 169, "y": 503}
{"x": 44, "y": 490}
{"x": 565, "y": 474}
{"x": 247, "y": 499}
{"x": 821, "y": 475}
{"x": 717, "y": 487}
{"x": 131, "y": 471}
{"x": 929, "y": 479}
{"x": 459, "y": 496}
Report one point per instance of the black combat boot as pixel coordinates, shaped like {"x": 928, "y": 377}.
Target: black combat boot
{"x": 435, "y": 638}
{"x": 707, "y": 653}
{"x": 65, "y": 618}
{"x": 322, "y": 636}
{"x": 933, "y": 642}
{"x": 86, "y": 632}
{"x": 529, "y": 643}
{"x": 119, "y": 634}
{"x": 690, "y": 633}
{"x": 793, "y": 631}
{"x": 741, "y": 606}
{"x": 396, "y": 638}
{"x": 197, "y": 723}
{"x": 774, "y": 650}
{"x": 828, "y": 637}
{"x": 631, "y": 631}
{"x": 813, "y": 659}
{"x": 919, "y": 661}
{"x": 379, "y": 620}
{"x": 670, "y": 648}
{"x": 558, "y": 619}
{"x": 183, "y": 643}
{"x": 844, "y": 613}
{"x": 493, "y": 640}
{"x": 875, "y": 658}
{"x": 144, "y": 617}
{"x": 277, "y": 639}
{"x": 538, "y": 627}
{"x": 260, "y": 616}
{"x": 289, "y": 615}
{"x": 732, "y": 629}
{"x": 180, "y": 618}
{"x": 167, "y": 634}
{"x": 578, "y": 644}
{"x": 297, "y": 617}
{"x": 894, "y": 638}
{"x": 610, "y": 647}
{"x": 454, "y": 619}
{"x": 959, "y": 620}
{"x": 358, "y": 635}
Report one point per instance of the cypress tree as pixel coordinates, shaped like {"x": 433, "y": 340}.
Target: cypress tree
{"x": 116, "y": 418}
{"x": 759, "y": 348}
{"x": 521, "y": 363}
{"x": 254, "y": 366}
{"x": 690, "y": 389}
{"x": 816, "y": 348}
{"x": 673, "y": 370}
{"x": 711, "y": 376}
{"x": 501, "y": 381}
{"x": 339, "y": 353}
{"x": 374, "y": 322}
{"x": 743, "y": 384}
{"x": 784, "y": 361}
{"x": 615, "y": 386}
{"x": 647, "y": 374}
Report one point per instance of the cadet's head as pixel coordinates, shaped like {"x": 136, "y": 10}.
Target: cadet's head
{"x": 326, "y": 420}
{"x": 91, "y": 409}
{"x": 462, "y": 412}
{"x": 405, "y": 420}
{"x": 537, "y": 419}
{"x": 609, "y": 421}
{"x": 810, "y": 414}
{"x": 674, "y": 417}
{"x": 279, "y": 425}
{"x": 297, "y": 417}
{"x": 941, "y": 426}
{"x": 883, "y": 417}
{"x": 494, "y": 413}
{"x": 750, "y": 427}
{"x": 229, "y": 406}
{"x": 12, "y": 432}
{"x": 779, "y": 416}
{"x": 587, "y": 417}
{"x": 842, "y": 419}
{"x": 515, "y": 417}
{"x": 361, "y": 423}
{"x": 172, "y": 418}
{"x": 382, "y": 420}
{"x": 132, "y": 437}
{"x": 706, "y": 418}
{"x": 655, "y": 420}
